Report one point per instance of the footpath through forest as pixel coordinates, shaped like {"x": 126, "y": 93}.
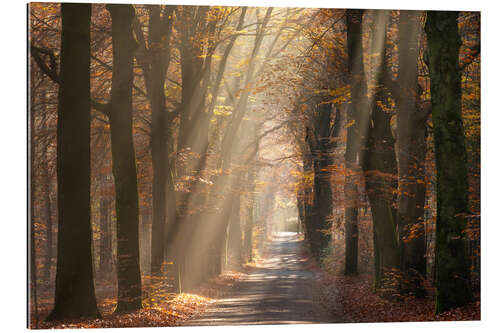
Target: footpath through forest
{"x": 280, "y": 289}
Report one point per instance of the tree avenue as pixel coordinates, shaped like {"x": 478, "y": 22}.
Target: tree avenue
{"x": 199, "y": 153}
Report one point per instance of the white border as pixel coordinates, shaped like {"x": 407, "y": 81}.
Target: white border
{"x": 14, "y": 157}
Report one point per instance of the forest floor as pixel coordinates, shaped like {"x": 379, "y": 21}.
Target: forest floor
{"x": 358, "y": 303}
{"x": 283, "y": 286}
{"x": 160, "y": 308}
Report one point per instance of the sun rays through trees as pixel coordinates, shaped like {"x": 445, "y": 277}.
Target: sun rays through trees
{"x": 190, "y": 152}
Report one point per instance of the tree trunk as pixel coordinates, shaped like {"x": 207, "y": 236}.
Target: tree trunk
{"x": 307, "y": 195}
{"x": 105, "y": 246}
{"x": 33, "y": 296}
{"x": 320, "y": 145}
{"x": 249, "y": 221}
{"x": 159, "y": 130}
{"x": 380, "y": 171}
{"x": 74, "y": 294}
{"x": 123, "y": 158}
{"x": 452, "y": 270}
{"x": 411, "y": 143}
{"x": 48, "y": 217}
{"x": 356, "y": 124}
{"x": 235, "y": 234}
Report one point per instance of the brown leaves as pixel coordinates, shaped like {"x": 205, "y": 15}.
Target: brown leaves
{"x": 358, "y": 303}
{"x": 154, "y": 314}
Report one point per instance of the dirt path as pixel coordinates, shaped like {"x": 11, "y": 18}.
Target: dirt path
{"x": 280, "y": 290}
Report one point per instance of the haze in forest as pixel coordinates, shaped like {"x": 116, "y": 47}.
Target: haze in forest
{"x": 185, "y": 156}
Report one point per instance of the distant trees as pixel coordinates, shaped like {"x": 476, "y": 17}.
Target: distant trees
{"x": 74, "y": 293}
{"x": 321, "y": 138}
{"x": 154, "y": 62}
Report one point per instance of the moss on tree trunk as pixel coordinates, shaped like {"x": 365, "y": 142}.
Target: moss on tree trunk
{"x": 452, "y": 268}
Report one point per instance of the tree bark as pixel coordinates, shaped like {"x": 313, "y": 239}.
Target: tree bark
{"x": 380, "y": 171}
{"x": 452, "y": 269}
{"x": 33, "y": 296}
{"x": 411, "y": 143}
{"x": 356, "y": 124}
{"x": 105, "y": 246}
{"x": 249, "y": 221}
{"x": 160, "y": 26}
{"x": 74, "y": 293}
{"x": 123, "y": 158}
{"x": 320, "y": 146}
{"x": 46, "y": 182}
{"x": 235, "y": 234}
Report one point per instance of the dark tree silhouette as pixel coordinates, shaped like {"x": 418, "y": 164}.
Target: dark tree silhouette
{"x": 123, "y": 159}
{"x": 357, "y": 113}
{"x": 452, "y": 269}
{"x": 74, "y": 293}
{"x": 380, "y": 171}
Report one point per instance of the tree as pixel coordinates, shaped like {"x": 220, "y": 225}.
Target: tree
{"x": 321, "y": 137}
{"x": 123, "y": 159}
{"x": 356, "y": 122}
{"x": 452, "y": 269}
{"x": 155, "y": 70}
{"x": 411, "y": 149}
{"x": 74, "y": 294}
{"x": 32, "y": 287}
{"x": 380, "y": 170}
{"x": 105, "y": 245}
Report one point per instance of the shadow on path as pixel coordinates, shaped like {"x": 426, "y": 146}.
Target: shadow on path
{"x": 279, "y": 290}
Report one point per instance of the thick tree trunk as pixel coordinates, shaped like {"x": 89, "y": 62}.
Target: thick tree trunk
{"x": 411, "y": 143}
{"x": 320, "y": 147}
{"x": 32, "y": 288}
{"x": 452, "y": 269}
{"x": 74, "y": 294}
{"x": 48, "y": 218}
{"x": 351, "y": 197}
{"x": 380, "y": 171}
{"x": 357, "y": 124}
{"x": 123, "y": 158}
{"x": 160, "y": 54}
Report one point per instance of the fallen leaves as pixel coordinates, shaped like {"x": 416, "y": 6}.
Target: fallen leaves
{"x": 353, "y": 299}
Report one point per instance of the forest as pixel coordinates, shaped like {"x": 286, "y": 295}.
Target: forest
{"x": 212, "y": 165}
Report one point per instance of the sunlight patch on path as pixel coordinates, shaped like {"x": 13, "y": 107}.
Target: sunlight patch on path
{"x": 279, "y": 290}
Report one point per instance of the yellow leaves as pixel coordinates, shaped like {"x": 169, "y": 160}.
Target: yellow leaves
{"x": 243, "y": 63}
{"x": 223, "y": 110}
{"x": 351, "y": 123}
